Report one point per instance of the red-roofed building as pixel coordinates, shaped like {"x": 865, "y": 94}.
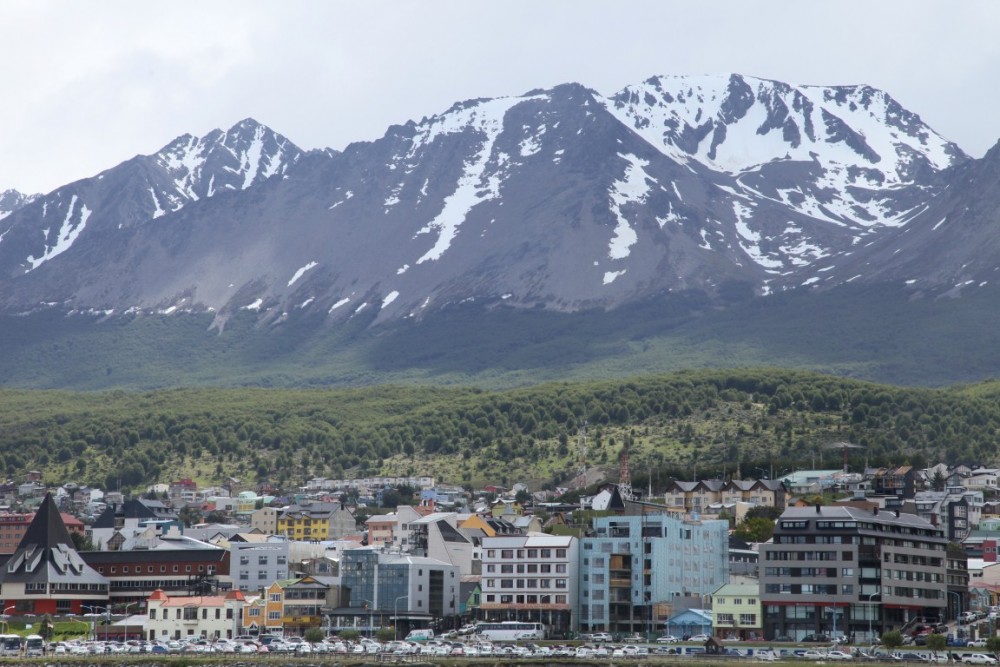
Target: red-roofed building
{"x": 207, "y": 616}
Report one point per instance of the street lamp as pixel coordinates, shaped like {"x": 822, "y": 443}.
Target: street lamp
{"x": 395, "y": 615}
{"x": 130, "y": 604}
{"x": 870, "y": 604}
{"x": 93, "y": 618}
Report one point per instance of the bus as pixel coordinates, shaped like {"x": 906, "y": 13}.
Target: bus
{"x": 510, "y": 630}
{"x": 34, "y": 645}
{"x": 10, "y": 645}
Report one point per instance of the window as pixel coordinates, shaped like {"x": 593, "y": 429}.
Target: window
{"x": 152, "y": 614}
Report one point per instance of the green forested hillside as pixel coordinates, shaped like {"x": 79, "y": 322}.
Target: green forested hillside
{"x": 694, "y": 423}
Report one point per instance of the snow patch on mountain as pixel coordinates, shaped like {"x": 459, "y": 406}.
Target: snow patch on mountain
{"x": 68, "y": 233}
{"x": 475, "y": 185}
{"x": 298, "y": 274}
{"x": 633, "y": 187}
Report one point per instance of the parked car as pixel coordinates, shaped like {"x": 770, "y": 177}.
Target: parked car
{"x": 978, "y": 643}
{"x": 838, "y": 655}
{"x": 978, "y": 659}
{"x": 698, "y": 638}
{"x": 600, "y": 637}
{"x": 819, "y": 638}
{"x": 667, "y": 639}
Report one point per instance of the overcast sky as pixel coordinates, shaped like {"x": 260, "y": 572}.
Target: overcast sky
{"x": 86, "y": 85}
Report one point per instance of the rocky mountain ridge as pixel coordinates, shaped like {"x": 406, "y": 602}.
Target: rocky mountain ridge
{"x": 561, "y": 199}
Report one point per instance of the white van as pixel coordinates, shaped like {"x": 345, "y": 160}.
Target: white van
{"x": 420, "y": 635}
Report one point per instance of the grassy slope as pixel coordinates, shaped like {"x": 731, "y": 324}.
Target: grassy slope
{"x": 879, "y": 334}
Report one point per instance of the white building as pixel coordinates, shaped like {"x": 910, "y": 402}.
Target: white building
{"x": 254, "y": 565}
{"x": 531, "y": 578}
{"x": 208, "y": 616}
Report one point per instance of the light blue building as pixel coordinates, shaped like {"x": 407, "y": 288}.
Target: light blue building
{"x": 637, "y": 570}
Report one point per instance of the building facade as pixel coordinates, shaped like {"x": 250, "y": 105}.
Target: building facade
{"x": 531, "y": 578}
{"x": 254, "y": 565}
{"x": 399, "y": 588}
{"x": 736, "y": 612}
{"x": 635, "y": 568}
{"x": 208, "y": 616}
{"x": 849, "y": 571}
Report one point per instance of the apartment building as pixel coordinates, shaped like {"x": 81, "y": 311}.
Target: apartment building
{"x": 849, "y": 571}
{"x": 634, "y": 567}
{"x": 254, "y": 565}
{"x": 531, "y": 578}
{"x": 699, "y": 496}
{"x": 315, "y": 521}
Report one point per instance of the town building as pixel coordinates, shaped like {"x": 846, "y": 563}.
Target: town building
{"x": 411, "y": 590}
{"x": 531, "y": 578}
{"x": 178, "y": 567}
{"x": 46, "y": 575}
{"x": 204, "y": 616}
{"x": 736, "y": 612}
{"x": 315, "y": 521}
{"x": 635, "y": 569}
{"x": 848, "y": 571}
{"x": 255, "y": 564}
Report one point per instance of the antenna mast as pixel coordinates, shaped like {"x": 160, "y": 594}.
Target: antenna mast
{"x": 624, "y": 476}
{"x": 581, "y": 452}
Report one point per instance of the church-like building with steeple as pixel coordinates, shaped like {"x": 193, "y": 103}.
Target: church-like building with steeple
{"x": 46, "y": 575}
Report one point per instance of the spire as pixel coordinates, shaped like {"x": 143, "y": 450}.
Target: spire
{"x": 47, "y": 528}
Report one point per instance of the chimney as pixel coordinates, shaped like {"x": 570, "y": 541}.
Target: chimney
{"x": 897, "y": 514}
{"x": 875, "y": 511}
{"x": 817, "y": 508}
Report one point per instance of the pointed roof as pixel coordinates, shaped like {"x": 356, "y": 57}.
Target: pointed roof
{"x": 47, "y": 528}
{"x": 46, "y": 553}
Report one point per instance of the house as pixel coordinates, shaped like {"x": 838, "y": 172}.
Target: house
{"x": 689, "y": 622}
{"x": 736, "y": 612}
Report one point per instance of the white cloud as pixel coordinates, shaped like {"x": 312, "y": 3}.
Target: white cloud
{"x": 96, "y": 83}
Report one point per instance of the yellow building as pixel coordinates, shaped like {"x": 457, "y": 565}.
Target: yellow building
{"x": 736, "y": 612}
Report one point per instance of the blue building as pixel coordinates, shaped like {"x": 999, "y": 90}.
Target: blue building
{"x": 637, "y": 570}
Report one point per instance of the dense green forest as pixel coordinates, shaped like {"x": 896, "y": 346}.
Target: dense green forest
{"x": 685, "y": 424}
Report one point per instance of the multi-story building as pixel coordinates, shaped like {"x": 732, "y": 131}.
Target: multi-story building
{"x": 389, "y": 586}
{"x": 265, "y": 520}
{"x": 736, "y": 612}
{"x": 315, "y": 521}
{"x": 380, "y": 529}
{"x": 135, "y": 575}
{"x": 685, "y": 497}
{"x": 531, "y": 578}
{"x": 206, "y": 616}
{"x": 305, "y": 600}
{"x": 958, "y": 580}
{"x": 636, "y": 565}
{"x": 254, "y": 565}
{"x": 46, "y": 575}
{"x": 849, "y": 571}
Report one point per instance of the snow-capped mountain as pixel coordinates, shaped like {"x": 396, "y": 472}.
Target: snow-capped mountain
{"x": 141, "y": 190}
{"x": 11, "y": 200}
{"x": 560, "y": 198}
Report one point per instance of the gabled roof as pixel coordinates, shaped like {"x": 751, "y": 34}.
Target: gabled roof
{"x": 130, "y": 509}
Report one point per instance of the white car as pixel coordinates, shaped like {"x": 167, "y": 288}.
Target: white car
{"x": 667, "y": 639}
{"x": 978, "y": 659}
{"x": 838, "y": 655}
{"x": 698, "y": 638}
